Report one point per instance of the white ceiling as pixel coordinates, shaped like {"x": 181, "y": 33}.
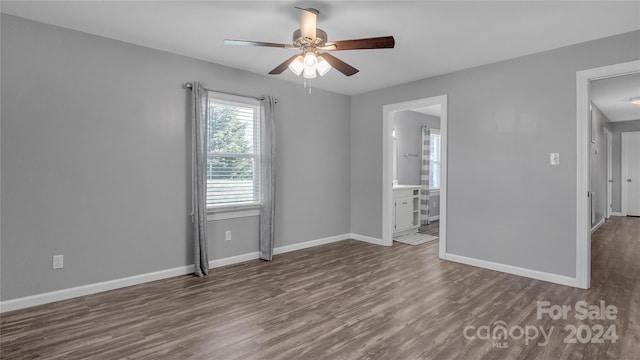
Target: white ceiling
{"x": 433, "y": 110}
{"x": 612, "y": 96}
{"x": 432, "y": 38}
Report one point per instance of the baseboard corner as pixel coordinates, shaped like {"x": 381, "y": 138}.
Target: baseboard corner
{"x": 367, "y": 239}
{"x": 596, "y": 226}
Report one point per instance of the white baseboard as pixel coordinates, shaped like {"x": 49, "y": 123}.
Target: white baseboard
{"x": 515, "y": 270}
{"x": 368, "y": 239}
{"x": 233, "y": 260}
{"x": 434, "y": 218}
{"x": 64, "y": 294}
{"x": 83, "y": 290}
{"x": 613, "y": 213}
{"x": 308, "y": 244}
{"x": 279, "y": 250}
{"x": 596, "y": 226}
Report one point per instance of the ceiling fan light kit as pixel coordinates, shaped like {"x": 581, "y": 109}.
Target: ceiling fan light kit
{"x": 310, "y": 65}
{"x": 323, "y": 66}
{"x": 311, "y": 41}
{"x": 297, "y": 65}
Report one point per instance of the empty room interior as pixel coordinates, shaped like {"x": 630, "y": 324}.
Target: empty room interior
{"x": 320, "y": 180}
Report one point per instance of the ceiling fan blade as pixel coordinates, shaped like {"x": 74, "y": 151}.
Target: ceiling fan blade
{"x": 339, "y": 65}
{"x": 308, "y": 20}
{"x": 257, "y": 43}
{"x": 282, "y": 67}
{"x": 385, "y": 42}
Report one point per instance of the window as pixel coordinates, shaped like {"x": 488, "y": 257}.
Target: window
{"x": 233, "y": 151}
{"x": 434, "y": 159}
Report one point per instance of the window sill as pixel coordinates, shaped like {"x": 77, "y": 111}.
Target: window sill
{"x": 225, "y": 213}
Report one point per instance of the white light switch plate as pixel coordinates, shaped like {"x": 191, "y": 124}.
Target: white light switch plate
{"x": 58, "y": 261}
{"x": 554, "y": 158}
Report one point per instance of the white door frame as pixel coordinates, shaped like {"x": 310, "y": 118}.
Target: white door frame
{"x": 624, "y": 172}
{"x": 607, "y": 207}
{"x": 387, "y": 166}
{"x": 583, "y": 216}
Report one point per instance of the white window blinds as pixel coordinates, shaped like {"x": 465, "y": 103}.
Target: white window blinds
{"x": 233, "y": 151}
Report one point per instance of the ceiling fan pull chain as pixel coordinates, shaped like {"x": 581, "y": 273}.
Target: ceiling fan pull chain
{"x": 307, "y": 84}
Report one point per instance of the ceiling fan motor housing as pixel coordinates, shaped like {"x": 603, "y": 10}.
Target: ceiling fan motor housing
{"x": 302, "y": 42}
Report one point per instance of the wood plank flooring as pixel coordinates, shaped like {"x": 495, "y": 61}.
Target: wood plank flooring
{"x": 346, "y": 300}
{"x": 432, "y": 229}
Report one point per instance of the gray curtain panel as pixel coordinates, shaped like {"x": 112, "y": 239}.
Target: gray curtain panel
{"x": 267, "y": 177}
{"x": 424, "y": 177}
{"x": 199, "y": 100}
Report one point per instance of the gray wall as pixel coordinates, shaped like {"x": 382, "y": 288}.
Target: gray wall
{"x": 598, "y": 164}
{"x": 95, "y": 159}
{"x": 617, "y": 128}
{"x": 408, "y": 125}
{"x": 505, "y": 202}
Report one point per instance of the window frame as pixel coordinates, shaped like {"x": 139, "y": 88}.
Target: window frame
{"x": 238, "y": 209}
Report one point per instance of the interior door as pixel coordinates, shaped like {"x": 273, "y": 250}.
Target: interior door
{"x": 631, "y": 173}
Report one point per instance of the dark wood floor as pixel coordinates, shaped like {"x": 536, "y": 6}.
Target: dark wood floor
{"x": 346, "y": 300}
{"x": 433, "y": 228}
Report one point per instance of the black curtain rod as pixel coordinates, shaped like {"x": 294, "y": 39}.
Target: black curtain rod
{"x": 190, "y": 86}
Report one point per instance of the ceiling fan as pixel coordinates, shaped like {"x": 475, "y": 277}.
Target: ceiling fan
{"x": 313, "y": 43}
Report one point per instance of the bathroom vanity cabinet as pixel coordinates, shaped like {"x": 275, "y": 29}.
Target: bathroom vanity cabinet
{"x": 406, "y": 209}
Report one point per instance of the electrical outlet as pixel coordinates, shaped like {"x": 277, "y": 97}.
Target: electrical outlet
{"x": 227, "y": 235}
{"x": 58, "y": 261}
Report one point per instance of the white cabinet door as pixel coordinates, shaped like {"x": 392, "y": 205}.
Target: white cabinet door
{"x": 404, "y": 213}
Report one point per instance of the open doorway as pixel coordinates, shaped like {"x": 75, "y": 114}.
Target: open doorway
{"x": 587, "y": 143}
{"x": 390, "y": 112}
{"x": 616, "y": 109}
{"x": 416, "y": 175}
